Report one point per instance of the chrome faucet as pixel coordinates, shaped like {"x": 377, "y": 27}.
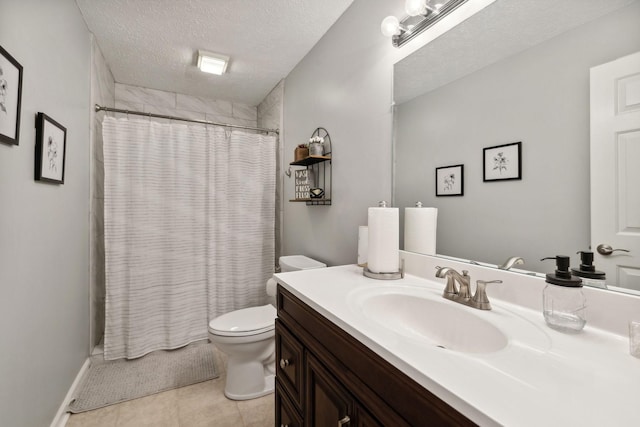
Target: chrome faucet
{"x": 511, "y": 262}
{"x": 462, "y": 294}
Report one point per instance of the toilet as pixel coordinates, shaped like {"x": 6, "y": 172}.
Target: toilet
{"x": 246, "y": 336}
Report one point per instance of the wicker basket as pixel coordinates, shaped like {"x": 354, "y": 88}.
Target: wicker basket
{"x": 300, "y": 154}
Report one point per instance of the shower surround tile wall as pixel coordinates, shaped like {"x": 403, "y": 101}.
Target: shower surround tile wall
{"x": 102, "y": 93}
{"x": 270, "y": 117}
{"x": 192, "y": 107}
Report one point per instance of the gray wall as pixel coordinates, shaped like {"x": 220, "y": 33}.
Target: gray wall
{"x": 539, "y": 97}
{"x": 44, "y": 228}
{"x": 343, "y": 85}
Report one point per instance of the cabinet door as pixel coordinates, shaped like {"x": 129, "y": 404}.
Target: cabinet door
{"x": 327, "y": 403}
{"x": 364, "y": 419}
{"x": 289, "y": 368}
{"x": 286, "y": 414}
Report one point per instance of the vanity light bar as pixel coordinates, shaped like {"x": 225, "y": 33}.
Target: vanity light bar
{"x": 408, "y": 30}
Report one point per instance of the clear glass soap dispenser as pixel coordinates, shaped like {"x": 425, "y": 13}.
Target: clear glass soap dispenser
{"x": 564, "y": 304}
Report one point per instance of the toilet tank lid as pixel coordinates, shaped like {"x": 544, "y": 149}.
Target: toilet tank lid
{"x": 299, "y": 262}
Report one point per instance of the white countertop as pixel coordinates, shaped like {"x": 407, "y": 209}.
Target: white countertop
{"x": 554, "y": 379}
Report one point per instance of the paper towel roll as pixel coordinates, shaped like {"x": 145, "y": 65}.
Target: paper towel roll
{"x": 420, "y": 230}
{"x": 272, "y": 287}
{"x": 363, "y": 245}
{"x": 384, "y": 238}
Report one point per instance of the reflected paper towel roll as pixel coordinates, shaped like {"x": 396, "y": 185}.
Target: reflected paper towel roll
{"x": 384, "y": 240}
{"x": 363, "y": 245}
{"x": 420, "y": 230}
{"x": 272, "y": 287}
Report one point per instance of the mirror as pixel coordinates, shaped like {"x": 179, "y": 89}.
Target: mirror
{"x": 518, "y": 71}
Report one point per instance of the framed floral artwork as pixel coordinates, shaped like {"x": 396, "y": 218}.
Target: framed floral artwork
{"x": 502, "y": 162}
{"x": 51, "y": 147}
{"x": 10, "y": 98}
{"x": 450, "y": 180}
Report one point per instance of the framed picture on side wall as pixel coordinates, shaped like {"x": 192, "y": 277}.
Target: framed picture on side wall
{"x": 10, "y": 98}
{"x": 450, "y": 180}
{"x": 51, "y": 147}
{"x": 502, "y": 162}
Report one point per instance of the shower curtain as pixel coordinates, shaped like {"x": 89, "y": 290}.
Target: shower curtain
{"x": 189, "y": 230}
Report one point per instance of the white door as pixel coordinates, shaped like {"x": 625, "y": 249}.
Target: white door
{"x": 615, "y": 170}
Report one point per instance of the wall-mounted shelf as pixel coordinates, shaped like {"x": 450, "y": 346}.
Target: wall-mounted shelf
{"x": 316, "y": 175}
{"x": 311, "y": 160}
{"x": 312, "y": 202}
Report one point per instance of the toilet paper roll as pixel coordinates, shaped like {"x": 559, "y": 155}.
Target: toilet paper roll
{"x": 363, "y": 245}
{"x": 384, "y": 238}
{"x": 272, "y": 287}
{"x": 420, "y": 226}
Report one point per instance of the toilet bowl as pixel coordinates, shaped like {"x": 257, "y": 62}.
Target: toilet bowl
{"x": 246, "y": 336}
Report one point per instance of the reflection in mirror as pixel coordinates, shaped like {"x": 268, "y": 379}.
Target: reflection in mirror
{"x": 519, "y": 70}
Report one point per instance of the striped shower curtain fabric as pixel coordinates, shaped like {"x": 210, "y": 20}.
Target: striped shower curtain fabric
{"x": 189, "y": 230}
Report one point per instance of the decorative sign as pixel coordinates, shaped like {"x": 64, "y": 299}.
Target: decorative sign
{"x": 304, "y": 182}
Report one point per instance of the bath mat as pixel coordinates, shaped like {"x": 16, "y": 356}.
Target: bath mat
{"x": 114, "y": 381}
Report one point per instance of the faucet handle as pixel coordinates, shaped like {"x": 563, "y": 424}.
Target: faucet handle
{"x": 480, "y": 299}
{"x": 465, "y": 286}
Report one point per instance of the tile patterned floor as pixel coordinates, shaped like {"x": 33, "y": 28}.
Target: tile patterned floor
{"x": 198, "y": 405}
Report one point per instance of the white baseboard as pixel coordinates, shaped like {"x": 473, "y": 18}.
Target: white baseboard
{"x": 62, "y": 416}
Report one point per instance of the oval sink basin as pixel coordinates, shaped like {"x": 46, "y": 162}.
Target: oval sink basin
{"x": 444, "y": 323}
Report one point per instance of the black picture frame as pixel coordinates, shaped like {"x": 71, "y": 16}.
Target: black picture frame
{"x": 10, "y": 98}
{"x": 51, "y": 149}
{"x": 450, "y": 181}
{"x": 502, "y": 162}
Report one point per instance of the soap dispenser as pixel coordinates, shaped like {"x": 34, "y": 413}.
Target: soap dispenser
{"x": 587, "y": 271}
{"x": 563, "y": 302}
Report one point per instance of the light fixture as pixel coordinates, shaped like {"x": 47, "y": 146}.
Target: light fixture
{"x": 421, "y": 15}
{"x": 415, "y": 7}
{"x": 213, "y": 63}
{"x": 390, "y": 26}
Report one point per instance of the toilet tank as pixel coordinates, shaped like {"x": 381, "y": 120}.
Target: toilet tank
{"x": 299, "y": 262}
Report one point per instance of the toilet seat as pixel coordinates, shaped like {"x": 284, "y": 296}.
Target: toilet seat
{"x": 244, "y": 322}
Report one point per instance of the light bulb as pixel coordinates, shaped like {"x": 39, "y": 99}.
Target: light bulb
{"x": 390, "y": 26}
{"x": 415, "y": 7}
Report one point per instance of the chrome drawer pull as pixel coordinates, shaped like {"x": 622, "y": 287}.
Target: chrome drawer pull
{"x": 284, "y": 363}
{"x": 344, "y": 421}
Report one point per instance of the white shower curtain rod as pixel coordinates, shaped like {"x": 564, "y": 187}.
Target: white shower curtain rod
{"x": 183, "y": 119}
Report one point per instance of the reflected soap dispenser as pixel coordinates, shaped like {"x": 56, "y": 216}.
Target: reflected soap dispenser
{"x": 563, "y": 302}
{"x": 587, "y": 271}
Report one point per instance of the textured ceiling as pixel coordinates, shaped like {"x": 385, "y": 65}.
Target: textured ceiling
{"x": 502, "y": 29}
{"x": 153, "y": 43}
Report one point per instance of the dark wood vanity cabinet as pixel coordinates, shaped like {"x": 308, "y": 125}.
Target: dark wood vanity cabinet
{"x": 327, "y": 378}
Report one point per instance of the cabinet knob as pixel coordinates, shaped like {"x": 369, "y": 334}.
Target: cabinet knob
{"x": 346, "y": 420}
{"x": 284, "y": 363}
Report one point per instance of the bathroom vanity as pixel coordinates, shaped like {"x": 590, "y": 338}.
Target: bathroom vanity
{"x": 326, "y": 377}
{"x": 354, "y": 351}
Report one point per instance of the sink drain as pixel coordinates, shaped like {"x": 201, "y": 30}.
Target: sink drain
{"x": 441, "y": 346}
